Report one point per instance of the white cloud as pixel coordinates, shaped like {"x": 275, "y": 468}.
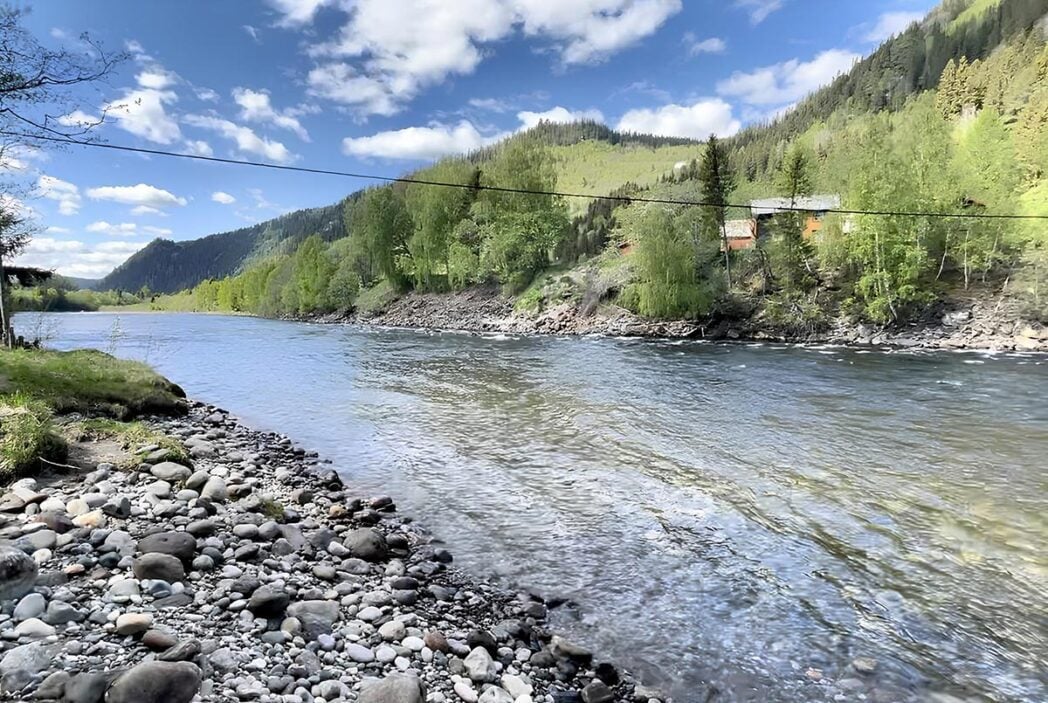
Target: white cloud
{"x": 788, "y": 81}
{"x": 142, "y": 113}
{"x": 696, "y": 121}
{"x": 66, "y": 194}
{"x": 223, "y": 198}
{"x": 140, "y": 194}
{"x": 156, "y": 78}
{"x": 437, "y": 139}
{"x": 255, "y": 106}
{"x": 759, "y": 10}
{"x": 206, "y": 94}
{"x": 137, "y": 51}
{"x": 198, "y": 147}
{"x": 418, "y": 143}
{"x": 59, "y": 33}
{"x": 244, "y": 137}
{"x": 146, "y": 210}
{"x": 559, "y": 115}
{"x": 54, "y": 229}
{"x": 891, "y": 23}
{"x": 124, "y": 229}
{"x": 403, "y": 46}
{"x": 696, "y": 46}
{"x": 75, "y": 258}
{"x": 79, "y": 118}
{"x": 297, "y": 12}
{"x": 251, "y": 31}
{"x": 16, "y": 157}
{"x": 157, "y": 231}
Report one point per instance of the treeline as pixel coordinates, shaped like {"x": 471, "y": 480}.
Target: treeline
{"x": 428, "y": 238}
{"x": 166, "y": 266}
{"x": 905, "y": 65}
{"x": 61, "y": 294}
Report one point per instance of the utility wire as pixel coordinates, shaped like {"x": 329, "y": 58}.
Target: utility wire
{"x": 503, "y": 189}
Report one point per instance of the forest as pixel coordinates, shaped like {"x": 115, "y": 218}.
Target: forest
{"x": 967, "y": 141}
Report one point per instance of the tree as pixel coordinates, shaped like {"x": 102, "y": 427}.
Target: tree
{"x": 789, "y": 252}
{"x": 382, "y": 224}
{"x": 36, "y": 89}
{"x": 718, "y": 182}
{"x": 667, "y": 284}
{"x": 436, "y": 211}
{"x": 313, "y": 269}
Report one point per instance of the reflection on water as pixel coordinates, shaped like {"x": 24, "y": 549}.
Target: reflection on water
{"x": 727, "y": 518}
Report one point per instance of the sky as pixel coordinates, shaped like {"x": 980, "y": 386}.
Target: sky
{"x": 383, "y": 86}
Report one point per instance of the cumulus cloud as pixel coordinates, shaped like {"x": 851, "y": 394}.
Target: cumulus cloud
{"x": 297, "y": 12}
{"x": 198, "y": 147}
{"x": 140, "y": 194}
{"x": 696, "y": 46}
{"x": 124, "y": 229}
{"x": 403, "y": 46}
{"x": 889, "y": 24}
{"x": 759, "y": 10}
{"x": 66, "y": 194}
{"x": 437, "y": 139}
{"x": 75, "y": 258}
{"x": 245, "y": 138}
{"x": 255, "y": 106}
{"x": 557, "y": 114}
{"x": 156, "y": 78}
{"x": 223, "y": 198}
{"x": 696, "y": 121}
{"x": 143, "y": 113}
{"x": 789, "y": 81}
{"x": 417, "y": 143}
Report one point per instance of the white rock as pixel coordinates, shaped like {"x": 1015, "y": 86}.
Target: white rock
{"x": 464, "y": 691}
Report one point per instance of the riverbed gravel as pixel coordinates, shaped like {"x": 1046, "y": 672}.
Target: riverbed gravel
{"x": 256, "y": 575}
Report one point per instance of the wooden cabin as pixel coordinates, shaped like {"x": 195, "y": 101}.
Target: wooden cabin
{"x": 816, "y": 207}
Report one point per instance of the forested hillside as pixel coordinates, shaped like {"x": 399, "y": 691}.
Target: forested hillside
{"x": 948, "y": 119}
{"x": 165, "y": 266}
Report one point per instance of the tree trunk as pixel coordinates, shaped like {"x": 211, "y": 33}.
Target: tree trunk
{"x": 727, "y": 253}
{"x": 945, "y": 252}
{"x": 5, "y": 323}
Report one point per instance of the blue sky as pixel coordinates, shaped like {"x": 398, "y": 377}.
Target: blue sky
{"x": 381, "y": 86}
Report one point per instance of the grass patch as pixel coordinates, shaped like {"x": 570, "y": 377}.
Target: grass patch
{"x": 377, "y": 298}
{"x": 89, "y": 382}
{"x": 27, "y": 435}
{"x": 131, "y": 436}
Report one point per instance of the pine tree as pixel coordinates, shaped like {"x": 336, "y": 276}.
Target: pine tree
{"x": 718, "y": 182}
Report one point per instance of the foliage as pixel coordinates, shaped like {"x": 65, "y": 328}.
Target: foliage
{"x": 668, "y": 285}
{"x": 27, "y": 436}
{"x": 132, "y": 436}
{"x": 88, "y": 381}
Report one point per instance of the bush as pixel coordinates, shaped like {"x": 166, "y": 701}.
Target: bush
{"x": 26, "y": 436}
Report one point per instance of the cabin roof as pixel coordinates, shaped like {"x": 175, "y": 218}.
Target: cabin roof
{"x": 810, "y": 203}
{"x": 739, "y": 229}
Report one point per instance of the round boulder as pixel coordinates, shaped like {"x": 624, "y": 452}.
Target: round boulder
{"x": 159, "y": 566}
{"x": 177, "y": 544}
{"x": 394, "y": 688}
{"x": 18, "y": 573}
{"x": 366, "y": 544}
{"x": 157, "y": 682}
{"x": 170, "y": 471}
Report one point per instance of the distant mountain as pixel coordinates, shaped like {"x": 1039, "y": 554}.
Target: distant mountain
{"x": 165, "y": 266}
{"x": 82, "y": 283}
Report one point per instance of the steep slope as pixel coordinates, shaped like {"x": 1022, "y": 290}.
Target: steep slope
{"x": 166, "y": 267}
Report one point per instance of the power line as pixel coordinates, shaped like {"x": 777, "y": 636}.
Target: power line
{"x": 503, "y": 189}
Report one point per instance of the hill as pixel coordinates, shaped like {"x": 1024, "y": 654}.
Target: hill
{"x": 165, "y": 266}
{"x": 590, "y": 158}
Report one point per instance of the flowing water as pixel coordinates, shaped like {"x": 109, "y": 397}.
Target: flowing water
{"x": 726, "y": 519}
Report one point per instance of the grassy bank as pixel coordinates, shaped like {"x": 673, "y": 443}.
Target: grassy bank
{"x": 36, "y": 385}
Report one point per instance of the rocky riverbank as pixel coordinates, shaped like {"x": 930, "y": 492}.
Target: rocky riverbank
{"x": 255, "y": 575}
{"x": 977, "y": 324}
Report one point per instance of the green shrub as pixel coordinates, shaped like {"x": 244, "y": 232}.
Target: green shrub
{"x": 26, "y": 436}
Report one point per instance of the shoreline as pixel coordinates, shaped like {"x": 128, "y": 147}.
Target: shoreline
{"x": 258, "y": 575}
{"x": 973, "y": 325}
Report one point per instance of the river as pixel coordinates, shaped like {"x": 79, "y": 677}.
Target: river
{"x": 730, "y": 522}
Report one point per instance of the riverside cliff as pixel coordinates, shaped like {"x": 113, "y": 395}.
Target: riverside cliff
{"x": 227, "y": 564}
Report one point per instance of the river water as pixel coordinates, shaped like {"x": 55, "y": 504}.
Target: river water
{"x": 728, "y": 520}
